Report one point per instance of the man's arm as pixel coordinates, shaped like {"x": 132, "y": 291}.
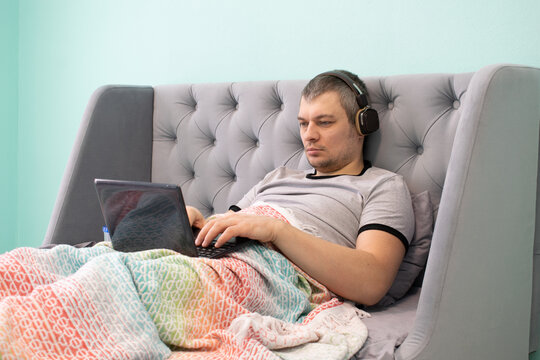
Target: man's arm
{"x": 363, "y": 274}
{"x": 196, "y": 218}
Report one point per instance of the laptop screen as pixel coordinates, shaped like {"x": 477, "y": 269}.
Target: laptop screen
{"x": 142, "y": 216}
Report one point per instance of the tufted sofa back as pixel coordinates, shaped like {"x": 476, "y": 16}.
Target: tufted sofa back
{"x": 218, "y": 140}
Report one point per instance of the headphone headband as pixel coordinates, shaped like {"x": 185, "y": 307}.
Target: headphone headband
{"x": 366, "y": 119}
{"x": 361, "y": 98}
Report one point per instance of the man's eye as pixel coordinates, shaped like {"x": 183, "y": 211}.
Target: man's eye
{"x": 303, "y": 124}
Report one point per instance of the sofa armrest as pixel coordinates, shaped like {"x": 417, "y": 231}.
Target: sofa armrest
{"x": 114, "y": 142}
{"x": 476, "y": 298}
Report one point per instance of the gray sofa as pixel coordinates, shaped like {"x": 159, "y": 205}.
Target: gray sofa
{"x": 470, "y": 139}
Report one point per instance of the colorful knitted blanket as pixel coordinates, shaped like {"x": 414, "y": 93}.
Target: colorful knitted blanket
{"x": 97, "y": 303}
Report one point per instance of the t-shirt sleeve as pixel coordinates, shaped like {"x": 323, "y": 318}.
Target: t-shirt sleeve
{"x": 248, "y": 198}
{"x": 389, "y": 208}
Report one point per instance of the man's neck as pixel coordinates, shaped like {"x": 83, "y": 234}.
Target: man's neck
{"x": 351, "y": 169}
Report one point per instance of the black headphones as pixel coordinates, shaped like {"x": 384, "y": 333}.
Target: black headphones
{"x": 366, "y": 119}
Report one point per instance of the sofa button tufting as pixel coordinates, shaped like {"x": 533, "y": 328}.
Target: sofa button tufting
{"x": 456, "y": 104}
{"x": 420, "y": 150}
{"x": 282, "y": 106}
{"x": 390, "y": 105}
{"x": 236, "y": 106}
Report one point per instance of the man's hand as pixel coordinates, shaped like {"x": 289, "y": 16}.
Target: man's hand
{"x": 196, "y": 218}
{"x": 231, "y": 224}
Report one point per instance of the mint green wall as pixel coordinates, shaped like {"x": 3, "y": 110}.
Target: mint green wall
{"x": 8, "y": 122}
{"x": 68, "y": 48}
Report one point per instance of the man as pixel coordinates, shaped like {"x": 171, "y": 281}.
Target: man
{"x": 347, "y": 224}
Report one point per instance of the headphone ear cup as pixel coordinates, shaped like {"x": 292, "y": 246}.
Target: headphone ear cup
{"x": 367, "y": 121}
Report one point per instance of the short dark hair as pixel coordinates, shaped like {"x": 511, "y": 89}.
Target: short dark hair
{"x": 323, "y": 83}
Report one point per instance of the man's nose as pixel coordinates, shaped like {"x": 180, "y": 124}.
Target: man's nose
{"x": 310, "y": 132}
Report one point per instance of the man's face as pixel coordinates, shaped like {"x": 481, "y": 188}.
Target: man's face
{"x": 331, "y": 143}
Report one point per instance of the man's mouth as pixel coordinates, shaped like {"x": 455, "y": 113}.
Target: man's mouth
{"x": 313, "y": 150}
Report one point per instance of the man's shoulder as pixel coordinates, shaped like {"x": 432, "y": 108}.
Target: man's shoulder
{"x": 287, "y": 171}
{"x": 377, "y": 172}
{"x": 283, "y": 172}
{"x": 375, "y": 177}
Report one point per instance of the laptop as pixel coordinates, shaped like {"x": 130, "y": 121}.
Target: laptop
{"x": 143, "y": 215}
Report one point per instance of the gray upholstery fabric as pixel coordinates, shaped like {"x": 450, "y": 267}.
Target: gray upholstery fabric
{"x": 114, "y": 142}
{"x": 476, "y": 295}
{"x": 471, "y": 140}
{"x": 218, "y": 140}
{"x": 534, "y": 343}
{"x": 388, "y": 327}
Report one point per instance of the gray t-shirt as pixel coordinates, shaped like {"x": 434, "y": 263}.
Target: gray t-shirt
{"x": 339, "y": 208}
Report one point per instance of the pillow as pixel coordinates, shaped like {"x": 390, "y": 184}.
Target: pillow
{"x": 415, "y": 259}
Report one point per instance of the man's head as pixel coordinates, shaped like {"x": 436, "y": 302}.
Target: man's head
{"x": 327, "y": 114}
{"x": 326, "y": 82}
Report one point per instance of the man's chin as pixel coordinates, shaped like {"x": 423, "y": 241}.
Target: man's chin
{"x": 318, "y": 165}
{"x": 313, "y": 162}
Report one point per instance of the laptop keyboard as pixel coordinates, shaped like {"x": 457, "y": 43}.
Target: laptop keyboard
{"x": 211, "y": 251}
{"x": 228, "y": 247}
